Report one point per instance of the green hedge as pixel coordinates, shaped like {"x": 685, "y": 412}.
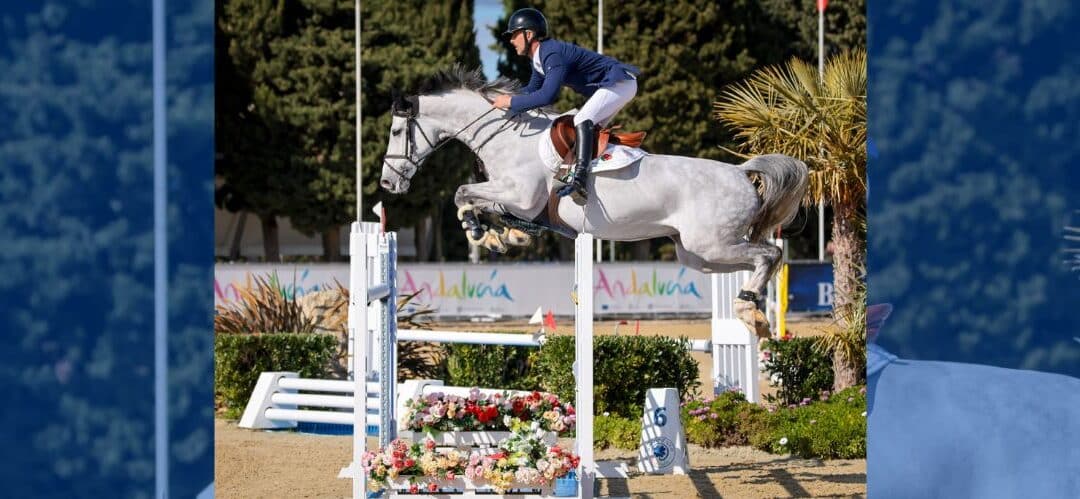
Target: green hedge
{"x": 624, "y": 368}
{"x": 831, "y": 427}
{"x": 489, "y": 366}
{"x": 613, "y": 431}
{"x": 803, "y": 371}
{"x": 835, "y": 428}
{"x": 240, "y": 358}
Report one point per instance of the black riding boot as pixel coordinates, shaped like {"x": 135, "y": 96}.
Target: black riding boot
{"x": 586, "y": 145}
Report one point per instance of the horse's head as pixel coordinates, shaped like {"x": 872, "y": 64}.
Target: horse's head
{"x": 412, "y": 139}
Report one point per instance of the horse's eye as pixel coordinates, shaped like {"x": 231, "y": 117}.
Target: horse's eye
{"x": 395, "y": 133}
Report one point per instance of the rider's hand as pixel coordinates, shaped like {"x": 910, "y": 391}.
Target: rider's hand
{"x": 502, "y": 101}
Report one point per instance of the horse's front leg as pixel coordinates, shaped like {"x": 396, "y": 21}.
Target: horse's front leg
{"x": 491, "y": 197}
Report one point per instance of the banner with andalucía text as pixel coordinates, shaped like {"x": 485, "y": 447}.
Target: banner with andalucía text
{"x": 507, "y": 290}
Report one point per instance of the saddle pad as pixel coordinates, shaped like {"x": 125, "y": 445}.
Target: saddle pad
{"x": 614, "y": 157}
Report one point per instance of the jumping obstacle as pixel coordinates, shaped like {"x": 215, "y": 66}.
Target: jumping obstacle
{"x": 734, "y": 346}
{"x": 280, "y": 400}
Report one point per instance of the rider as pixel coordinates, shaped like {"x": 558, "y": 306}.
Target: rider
{"x": 607, "y": 83}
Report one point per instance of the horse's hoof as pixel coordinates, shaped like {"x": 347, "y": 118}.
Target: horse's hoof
{"x": 515, "y": 237}
{"x": 748, "y": 313}
{"x": 493, "y": 242}
{"x": 467, "y": 207}
{"x": 474, "y": 241}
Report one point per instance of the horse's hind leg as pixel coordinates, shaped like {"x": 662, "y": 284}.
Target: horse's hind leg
{"x": 762, "y": 258}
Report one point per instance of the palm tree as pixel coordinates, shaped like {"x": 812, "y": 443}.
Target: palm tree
{"x": 820, "y": 119}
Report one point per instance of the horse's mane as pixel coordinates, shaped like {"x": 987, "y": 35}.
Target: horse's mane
{"x": 457, "y": 76}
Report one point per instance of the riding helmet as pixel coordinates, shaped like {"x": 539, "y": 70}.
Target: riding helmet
{"x": 527, "y": 18}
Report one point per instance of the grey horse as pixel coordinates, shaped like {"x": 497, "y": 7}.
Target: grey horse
{"x": 714, "y": 212}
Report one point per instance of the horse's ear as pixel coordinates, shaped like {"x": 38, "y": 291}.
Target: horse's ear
{"x": 400, "y": 105}
{"x": 875, "y": 319}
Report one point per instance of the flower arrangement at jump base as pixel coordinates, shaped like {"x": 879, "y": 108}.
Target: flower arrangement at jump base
{"x": 438, "y": 412}
{"x": 521, "y": 461}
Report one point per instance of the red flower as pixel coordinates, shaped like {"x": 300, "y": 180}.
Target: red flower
{"x": 410, "y": 462}
{"x": 432, "y": 487}
{"x": 414, "y": 489}
{"x": 606, "y": 157}
{"x": 489, "y": 413}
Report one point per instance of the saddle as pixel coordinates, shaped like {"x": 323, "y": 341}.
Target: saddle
{"x": 564, "y": 138}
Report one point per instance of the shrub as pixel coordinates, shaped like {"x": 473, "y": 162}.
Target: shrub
{"x": 726, "y": 420}
{"x": 239, "y": 359}
{"x": 625, "y": 367}
{"x": 614, "y": 431}
{"x": 799, "y": 369}
{"x": 490, "y": 366}
{"x": 263, "y": 309}
{"x": 831, "y": 429}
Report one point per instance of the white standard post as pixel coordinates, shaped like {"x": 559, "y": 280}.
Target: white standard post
{"x": 358, "y": 292}
{"x": 583, "y": 345}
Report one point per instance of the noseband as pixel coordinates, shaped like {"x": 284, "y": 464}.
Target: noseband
{"x": 409, "y": 108}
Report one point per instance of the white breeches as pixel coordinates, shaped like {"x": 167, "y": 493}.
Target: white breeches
{"x": 603, "y": 104}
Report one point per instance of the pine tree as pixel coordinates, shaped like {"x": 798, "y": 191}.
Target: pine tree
{"x": 306, "y": 85}
{"x": 405, "y": 42}
{"x": 845, "y": 25}
{"x": 685, "y": 50}
{"x": 288, "y": 117}
{"x": 253, "y": 153}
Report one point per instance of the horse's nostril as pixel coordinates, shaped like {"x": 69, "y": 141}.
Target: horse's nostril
{"x": 385, "y": 184}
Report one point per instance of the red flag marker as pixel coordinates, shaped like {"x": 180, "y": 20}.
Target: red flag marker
{"x": 549, "y": 320}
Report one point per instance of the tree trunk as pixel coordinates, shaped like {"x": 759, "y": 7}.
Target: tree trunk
{"x": 271, "y": 246}
{"x": 423, "y": 230}
{"x": 849, "y": 264}
{"x": 437, "y": 235}
{"x": 331, "y": 244}
{"x": 844, "y": 374}
{"x": 641, "y": 251}
{"x": 238, "y": 236}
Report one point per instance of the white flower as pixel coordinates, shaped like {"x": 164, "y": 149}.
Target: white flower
{"x": 506, "y": 420}
{"x": 783, "y": 441}
{"x": 606, "y": 413}
{"x": 864, "y": 414}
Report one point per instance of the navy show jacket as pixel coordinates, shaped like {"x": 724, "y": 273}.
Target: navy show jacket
{"x": 564, "y": 63}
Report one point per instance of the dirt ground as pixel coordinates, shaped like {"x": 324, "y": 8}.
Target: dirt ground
{"x": 282, "y": 464}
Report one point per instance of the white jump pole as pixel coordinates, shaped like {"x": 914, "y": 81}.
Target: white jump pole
{"x": 358, "y": 340}
{"x": 358, "y": 297}
{"x": 583, "y": 345}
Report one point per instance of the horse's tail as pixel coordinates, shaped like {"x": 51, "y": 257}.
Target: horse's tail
{"x": 783, "y": 184}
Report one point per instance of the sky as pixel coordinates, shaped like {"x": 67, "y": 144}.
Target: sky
{"x": 485, "y": 14}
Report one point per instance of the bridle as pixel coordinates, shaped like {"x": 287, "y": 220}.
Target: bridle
{"x": 409, "y": 108}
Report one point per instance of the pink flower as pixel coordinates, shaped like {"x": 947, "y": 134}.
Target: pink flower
{"x": 862, "y": 391}
{"x": 450, "y": 475}
{"x": 429, "y": 444}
